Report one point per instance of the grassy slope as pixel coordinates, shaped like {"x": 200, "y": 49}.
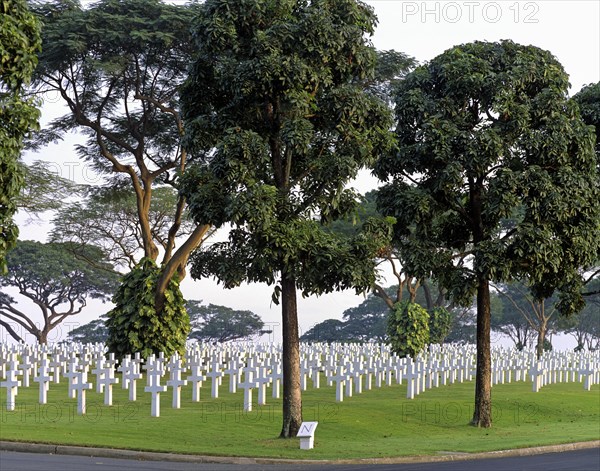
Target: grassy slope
{"x": 377, "y": 423}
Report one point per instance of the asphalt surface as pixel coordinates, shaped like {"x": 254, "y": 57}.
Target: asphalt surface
{"x": 579, "y": 460}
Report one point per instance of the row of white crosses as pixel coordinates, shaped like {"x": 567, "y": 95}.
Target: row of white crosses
{"x": 351, "y": 368}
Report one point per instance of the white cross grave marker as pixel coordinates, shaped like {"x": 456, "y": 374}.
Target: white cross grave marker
{"x": 155, "y": 388}
{"x": 81, "y": 387}
{"x": 11, "y": 384}
{"x": 43, "y": 378}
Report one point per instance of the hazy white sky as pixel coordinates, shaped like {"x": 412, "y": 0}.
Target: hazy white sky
{"x": 422, "y": 29}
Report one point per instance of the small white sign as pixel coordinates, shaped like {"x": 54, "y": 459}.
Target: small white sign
{"x": 306, "y": 434}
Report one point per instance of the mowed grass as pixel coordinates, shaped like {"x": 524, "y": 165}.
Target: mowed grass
{"x": 376, "y": 423}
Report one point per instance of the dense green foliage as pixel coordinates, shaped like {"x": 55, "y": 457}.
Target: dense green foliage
{"x": 212, "y": 323}
{"x": 408, "y": 329}
{"x": 56, "y": 281}
{"x": 133, "y": 324}
{"x": 484, "y": 135}
{"x": 19, "y": 43}
{"x": 288, "y": 129}
{"x": 588, "y": 99}
{"x": 440, "y": 324}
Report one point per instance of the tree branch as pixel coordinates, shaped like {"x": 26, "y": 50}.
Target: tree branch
{"x": 10, "y": 330}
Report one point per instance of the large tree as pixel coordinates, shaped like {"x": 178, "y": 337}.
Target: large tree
{"x": 118, "y": 65}
{"x": 509, "y": 321}
{"x": 585, "y": 327}
{"x": 367, "y": 321}
{"x": 19, "y": 44}
{"x": 56, "y": 282}
{"x": 276, "y": 109}
{"x": 485, "y": 133}
{"x": 539, "y": 314}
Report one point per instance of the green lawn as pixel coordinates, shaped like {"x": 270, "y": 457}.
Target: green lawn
{"x": 377, "y": 423}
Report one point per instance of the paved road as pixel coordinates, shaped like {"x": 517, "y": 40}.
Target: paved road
{"x": 581, "y": 460}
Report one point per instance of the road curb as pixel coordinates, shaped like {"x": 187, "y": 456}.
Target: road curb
{"x": 176, "y": 457}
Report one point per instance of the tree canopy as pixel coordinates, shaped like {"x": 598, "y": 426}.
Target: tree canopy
{"x": 118, "y": 66}
{"x": 585, "y": 327}
{"x": 330, "y": 330}
{"x": 45, "y": 190}
{"x": 56, "y": 282}
{"x": 108, "y": 218}
{"x": 523, "y": 315}
{"x": 485, "y": 133}
{"x": 213, "y": 323}
{"x": 92, "y": 332}
{"x": 19, "y": 44}
{"x": 277, "y": 113}
{"x": 588, "y": 99}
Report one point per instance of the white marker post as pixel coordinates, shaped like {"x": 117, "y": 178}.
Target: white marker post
{"x": 11, "y": 384}
{"x": 43, "y": 378}
{"x": 196, "y": 378}
{"x": 306, "y": 434}
{"x": 81, "y": 387}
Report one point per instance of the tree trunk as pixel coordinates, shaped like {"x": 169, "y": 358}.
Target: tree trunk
{"x": 412, "y": 290}
{"x": 540, "y": 340}
{"x": 428, "y": 298}
{"x": 381, "y": 294}
{"x": 292, "y": 395}
{"x": 482, "y": 415}
{"x": 176, "y": 264}
{"x": 42, "y": 337}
